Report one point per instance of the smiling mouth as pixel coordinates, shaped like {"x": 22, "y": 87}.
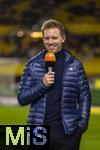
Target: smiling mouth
{"x": 52, "y": 47}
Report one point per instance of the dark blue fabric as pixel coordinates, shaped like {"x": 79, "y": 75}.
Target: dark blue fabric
{"x": 61, "y": 141}
{"x": 76, "y": 97}
{"x": 53, "y": 101}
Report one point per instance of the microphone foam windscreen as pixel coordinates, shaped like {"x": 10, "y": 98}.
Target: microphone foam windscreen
{"x": 50, "y": 56}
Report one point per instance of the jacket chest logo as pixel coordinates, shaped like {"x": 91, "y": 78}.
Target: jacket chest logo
{"x": 70, "y": 69}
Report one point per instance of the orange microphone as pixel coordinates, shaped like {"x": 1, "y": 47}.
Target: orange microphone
{"x": 50, "y": 60}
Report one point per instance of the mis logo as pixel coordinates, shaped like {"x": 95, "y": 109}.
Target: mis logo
{"x": 22, "y": 135}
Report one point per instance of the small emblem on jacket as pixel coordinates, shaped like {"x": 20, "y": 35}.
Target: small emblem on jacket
{"x": 71, "y": 69}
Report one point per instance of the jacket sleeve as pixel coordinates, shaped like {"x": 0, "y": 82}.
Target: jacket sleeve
{"x": 84, "y": 98}
{"x": 27, "y": 93}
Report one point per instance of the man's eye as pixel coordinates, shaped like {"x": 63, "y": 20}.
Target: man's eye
{"x": 54, "y": 38}
{"x": 46, "y": 38}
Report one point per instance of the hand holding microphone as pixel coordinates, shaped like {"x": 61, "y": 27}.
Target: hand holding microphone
{"x": 50, "y": 60}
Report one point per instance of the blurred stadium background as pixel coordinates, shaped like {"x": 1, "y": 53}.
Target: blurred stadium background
{"x": 20, "y": 39}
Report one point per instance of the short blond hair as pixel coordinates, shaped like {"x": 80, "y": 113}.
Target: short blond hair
{"x": 52, "y": 23}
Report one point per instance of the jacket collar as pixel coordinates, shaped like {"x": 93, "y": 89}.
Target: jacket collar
{"x": 68, "y": 56}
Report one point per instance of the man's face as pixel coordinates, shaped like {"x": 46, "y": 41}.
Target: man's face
{"x": 53, "y": 39}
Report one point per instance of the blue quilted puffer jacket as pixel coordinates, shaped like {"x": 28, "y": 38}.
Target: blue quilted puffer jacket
{"x": 76, "y": 97}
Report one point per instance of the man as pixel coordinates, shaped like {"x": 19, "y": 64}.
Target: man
{"x": 59, "y": 98}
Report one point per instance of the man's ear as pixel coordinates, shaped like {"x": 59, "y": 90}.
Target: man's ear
{"x": 63, "y": 38}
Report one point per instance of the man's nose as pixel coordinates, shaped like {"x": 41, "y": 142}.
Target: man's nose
{"x": 50, "y": 41}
